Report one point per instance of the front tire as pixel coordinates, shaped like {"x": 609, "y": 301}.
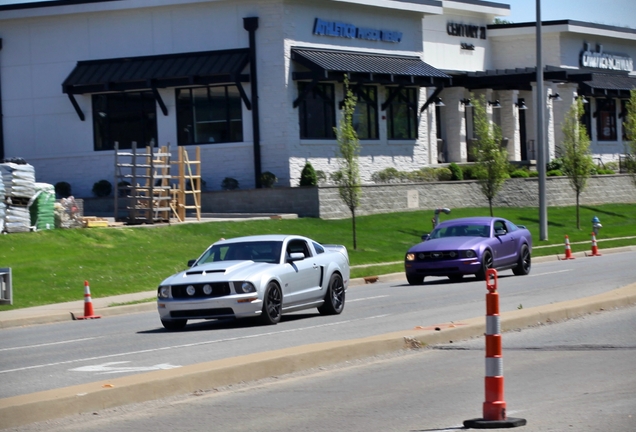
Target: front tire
{"x": 334, "y": 298}
{"x": 174, "y": 325}
{"x": 486, "y": 263}
{"x": 525, "y": 262}
{"x": 272, "y": 304}
{"x": 415, "y": 279}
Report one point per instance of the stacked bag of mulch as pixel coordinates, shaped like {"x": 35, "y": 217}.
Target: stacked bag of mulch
{"x": 42, "y": 207}
{"x": 3, "y": 206}
{"x": 18, "y": 178}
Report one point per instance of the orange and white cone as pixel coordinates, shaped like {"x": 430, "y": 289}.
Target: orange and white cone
{"x": 568, "y": 249}
{"x": 594, "y": 246}
{"x": 88, "y": 304}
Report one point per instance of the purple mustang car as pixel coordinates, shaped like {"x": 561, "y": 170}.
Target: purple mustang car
{"x": 472, "y": 245}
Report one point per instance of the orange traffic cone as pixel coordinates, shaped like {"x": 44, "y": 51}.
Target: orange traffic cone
{"x": 88, "y": 304}
{"x": 594, "y": 247}
{"x": 568, "y": 250}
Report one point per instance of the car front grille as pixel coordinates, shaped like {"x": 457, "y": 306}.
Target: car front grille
{"x": 202, "y": 313}
{"x": 436, "y": 256}
{"x": 219, "y": 289}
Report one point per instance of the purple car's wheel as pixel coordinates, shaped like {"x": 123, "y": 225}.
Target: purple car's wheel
{"x": 486, "y": 263}
{"x": 414, "y": 279}
{"x": 272, "y": 304}
{"x": 524, "y": 264}
{"x": 334, "y": 298}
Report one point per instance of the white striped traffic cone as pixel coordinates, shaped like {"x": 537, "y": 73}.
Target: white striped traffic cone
{"x": 88, "y": 304}
{"x": 568, "y": 250}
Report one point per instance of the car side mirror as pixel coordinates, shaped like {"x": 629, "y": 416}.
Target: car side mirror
{"x": 426, "y": 236}
{"x": 296, "y": 256}
{"x": 191, "y": 262}
{"x": 500, "y": 231}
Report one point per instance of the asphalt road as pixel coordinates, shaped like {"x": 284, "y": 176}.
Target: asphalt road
{"x": 577, "y": 375}
{"x": 59, "y": 355}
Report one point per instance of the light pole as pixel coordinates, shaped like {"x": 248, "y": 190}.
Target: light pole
{"x": 541, "y": 156}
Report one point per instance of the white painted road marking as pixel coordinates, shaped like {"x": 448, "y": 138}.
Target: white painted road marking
{"x": 50, "y": 343}
{"x": 367, "y": 298}
{"x": 548, "y": 273}
{"x": 108, "y": 368}
{"x": 185, "y": 345}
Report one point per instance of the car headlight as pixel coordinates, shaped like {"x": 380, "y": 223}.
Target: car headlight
{"x": 468, "y": 253}
{"x": 410, "y": 257}
{"x": 207, "y": 289}
{"x": 163, "y": 292}
{"x": 244, "y": 287}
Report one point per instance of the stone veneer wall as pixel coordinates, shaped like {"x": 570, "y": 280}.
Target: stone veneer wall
{"x": 325, "y": 202}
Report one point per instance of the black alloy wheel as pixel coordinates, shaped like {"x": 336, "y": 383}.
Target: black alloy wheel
{"x": 486, "y": 263}
{"x": 334, "y": 298}
{"x": 525, "y": 262}
{"x": 272, "y": 304}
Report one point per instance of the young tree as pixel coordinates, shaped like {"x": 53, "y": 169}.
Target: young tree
{"x": 630, "y": 146}
{"x": 348, "y": 175}
{"x": 491, "y": 160}
{"x": 577, "y": 160}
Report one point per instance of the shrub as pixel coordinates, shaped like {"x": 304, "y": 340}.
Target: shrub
{"x": 469, "y": 172}
{"x": 456, "y": 171}
{"x": 267, "y": 179}
{"x": 519, "y": 173}
{"x": 554, "y": 173}
{"x": 425, "y": 174}
{"x": 321, "y": 177}
{"x": 444, "y": 174}
{"x": 62, "y": 189}
{"x": 102, "y": 188}
{"x": 533, "y": 173}
{"x": 123, "y": 189}
{"x": 229, "y": 183}
{"x": 613, "y": 166}
{"x": 604, "y": 171}
{"x": 387, "y": 175}
{"x": 308, "y": 176}
{"x": 554, "y": 164}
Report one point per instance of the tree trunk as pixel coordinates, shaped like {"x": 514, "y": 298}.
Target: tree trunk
{"x": 578, "y": 219}
{"x": 353, "y": 221}
{"x": 490, "y": 205}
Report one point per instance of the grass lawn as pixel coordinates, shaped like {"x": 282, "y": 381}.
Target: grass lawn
{"x": 51, "y": 266}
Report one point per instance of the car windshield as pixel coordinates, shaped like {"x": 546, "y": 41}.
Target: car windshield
{"x": 259, "y": 251}
{"x": 467, "y": 230}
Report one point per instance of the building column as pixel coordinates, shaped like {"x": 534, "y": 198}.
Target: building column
{"x": 455, "y": 124}
{"x": 510, "y": 123}
{"x": 568, "y": 92}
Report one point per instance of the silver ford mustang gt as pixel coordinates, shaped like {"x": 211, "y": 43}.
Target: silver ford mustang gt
{"x": 261, "y": 276}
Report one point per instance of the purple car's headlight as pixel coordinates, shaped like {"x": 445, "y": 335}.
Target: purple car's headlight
{"x": 410, "y": 256}
{"x": 467, "y": 253}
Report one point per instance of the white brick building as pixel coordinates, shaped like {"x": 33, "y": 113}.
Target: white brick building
{"x": 256, "y": 84}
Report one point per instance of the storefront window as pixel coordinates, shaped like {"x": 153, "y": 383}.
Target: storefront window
{"x": 124, "y": 118}
{"x": 365, "y": 117}
{"x": 586, "y": 119}
{"x": 606, "y": 119}
{"x": 317, "y": 114}
{"x": 402, "y": 115}
{"x": 208, "y": 115}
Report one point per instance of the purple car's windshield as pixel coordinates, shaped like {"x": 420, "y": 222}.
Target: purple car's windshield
{"x": 259, "y": 251}
{"x": 468, "y": 230}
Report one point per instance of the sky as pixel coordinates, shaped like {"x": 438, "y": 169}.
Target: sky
{"x": 621, "y": 13}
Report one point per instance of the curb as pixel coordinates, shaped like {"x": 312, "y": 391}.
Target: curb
{"x": 30, "y": 408}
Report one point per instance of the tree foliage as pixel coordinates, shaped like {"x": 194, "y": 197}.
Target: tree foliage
{"x": 630, "y": 145}
{"x": 577, "y": 160}
{"x": 347, "y": 177}
{"x": 491, "y": 159}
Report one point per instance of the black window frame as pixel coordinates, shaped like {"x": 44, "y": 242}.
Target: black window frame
{"x": 606, "y": 112}
{"x": 124, "y": 118}
{"x": 406, "y": 100}
{"x": 367, "y": 98}
{"x": 321, "y": 95}
{"x": 189, "y": 127}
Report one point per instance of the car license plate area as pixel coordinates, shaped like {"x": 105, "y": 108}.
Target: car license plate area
{"x": 202, "y": 313}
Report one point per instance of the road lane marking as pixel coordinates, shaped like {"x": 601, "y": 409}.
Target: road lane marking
{"x": 366, "y": 298}
{"x": 189, "y": 345}
{"x": 50, "y": 343}
{"x": 108, "y": 368}
{"x": 552, "y": 272}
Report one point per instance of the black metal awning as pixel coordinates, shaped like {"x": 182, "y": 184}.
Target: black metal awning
{"x": 619, "y": 85}
{"x": 158, "y": 71}
{"x": 514, "y": 79}
{"x": 331, "y": 65}
{"x": 365, "y": 68}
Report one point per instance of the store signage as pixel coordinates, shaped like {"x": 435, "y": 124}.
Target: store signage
{"x": 602, "y": 60}
{"x": 466, "y": 30}
{"x": 345, "y": 30}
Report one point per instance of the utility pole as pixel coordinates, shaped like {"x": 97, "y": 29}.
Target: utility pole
{"x": 541, "y": 155}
